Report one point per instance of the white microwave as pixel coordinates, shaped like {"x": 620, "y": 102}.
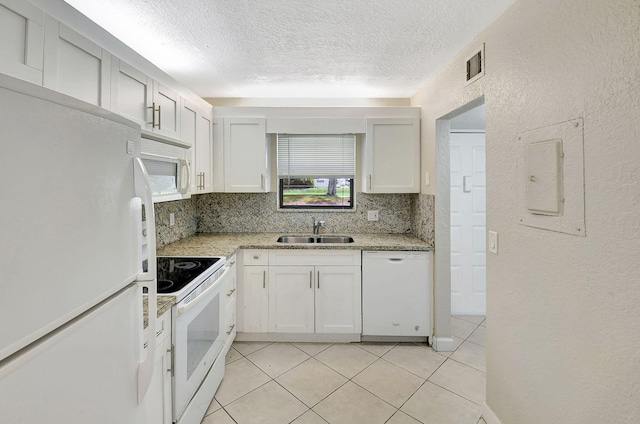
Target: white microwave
{"x": 169, "y": 170}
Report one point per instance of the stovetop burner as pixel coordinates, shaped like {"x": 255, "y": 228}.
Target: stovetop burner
{"x": 174, "y": 273}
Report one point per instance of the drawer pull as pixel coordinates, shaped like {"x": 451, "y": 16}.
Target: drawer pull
{"x": 264, "y": 279}
{"x": 231, "y": 292}
{"x": 230, "y": 329}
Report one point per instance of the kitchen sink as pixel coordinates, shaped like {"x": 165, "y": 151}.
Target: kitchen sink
{"x": 315, "y": 239}
{"x": 334, "y": 239}
{"x": 296, "y": 239}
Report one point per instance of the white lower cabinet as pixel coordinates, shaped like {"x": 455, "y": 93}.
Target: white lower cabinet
{"x": 157, "y": 401}
{"x": 302, "y": 292}
{"x": 255, "y": 299}
{"x": 291, "y": 299}
{"x": 320, "y": 299}
{"x": 338, "y": 299}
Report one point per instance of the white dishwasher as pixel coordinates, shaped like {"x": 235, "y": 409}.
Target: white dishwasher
{"x": 396, "y": 295}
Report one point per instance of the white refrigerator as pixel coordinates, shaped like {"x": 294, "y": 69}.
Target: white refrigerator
{"x": 71, "y": 194}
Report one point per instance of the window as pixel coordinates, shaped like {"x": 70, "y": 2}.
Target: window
{"x": 316, "y": 171}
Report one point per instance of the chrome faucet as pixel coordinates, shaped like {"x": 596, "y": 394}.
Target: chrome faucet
{"x": 316, "y": 225}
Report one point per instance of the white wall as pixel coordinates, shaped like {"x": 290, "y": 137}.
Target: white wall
{"x": 563, "y": 311}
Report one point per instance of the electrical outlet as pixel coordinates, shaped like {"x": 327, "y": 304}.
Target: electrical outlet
{"x": 172, "y": 219}
{"x": 372, "y": 215}
{"x": 426, "y": 178}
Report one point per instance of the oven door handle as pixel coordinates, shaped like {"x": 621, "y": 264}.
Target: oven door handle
{"x": 182, "y": 309}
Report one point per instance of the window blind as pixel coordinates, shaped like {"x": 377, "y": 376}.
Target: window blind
{"x": 316, "y": 155}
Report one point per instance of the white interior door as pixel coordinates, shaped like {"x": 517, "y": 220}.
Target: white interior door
{"x": 468, "y": 224}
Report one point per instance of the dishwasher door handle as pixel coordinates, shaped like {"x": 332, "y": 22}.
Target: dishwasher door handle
{"x": 396, "y": 259}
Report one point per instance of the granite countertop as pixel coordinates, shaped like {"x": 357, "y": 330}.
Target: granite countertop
{"x": 226, "y": 244}
{"x": 164, "y": 304}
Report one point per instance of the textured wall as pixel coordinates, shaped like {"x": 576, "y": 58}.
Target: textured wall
{"x": 563, "y": 327}
{"x": 247, "y": 212}
{"x": 185, "y": 220}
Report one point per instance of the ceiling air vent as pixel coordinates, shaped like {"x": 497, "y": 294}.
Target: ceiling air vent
{"x": 475, "y": 65}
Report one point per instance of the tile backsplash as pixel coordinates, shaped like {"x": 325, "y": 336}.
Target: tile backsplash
{"x": 186, "y": 220}
{"x": 256, "y": 212}
{"x": 423, "y": 217}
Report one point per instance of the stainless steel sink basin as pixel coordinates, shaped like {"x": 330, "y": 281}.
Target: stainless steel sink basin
{"x": 335, "y": 239}
{"x": 314, "y": 239}
{"x": 295, "y": 239}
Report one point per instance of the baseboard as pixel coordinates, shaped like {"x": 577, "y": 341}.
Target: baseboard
{"x": 297, "y": 337}
{"x": 489, "y": 416}
{"x": 443, "y": 344}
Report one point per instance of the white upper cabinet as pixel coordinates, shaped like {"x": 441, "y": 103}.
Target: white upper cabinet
{"x": 22, "y": 35}
{"x": 391, "y": 156}
{"x": 218, "y": 155}
{"x": 202, "y": 168}
{"x": 75, "y": 66}
{"x": 245, "y": 155}
{"x": 138, "y": 97}
{"x": 131, "y": 93}
{"x": 166, "y": 113}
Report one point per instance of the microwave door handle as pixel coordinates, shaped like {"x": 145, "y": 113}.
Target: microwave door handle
{"x": 187, "y": 186}
{"x": 147, "y": 279}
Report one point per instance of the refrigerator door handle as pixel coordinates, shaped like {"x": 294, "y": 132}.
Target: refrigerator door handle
{"x": 147, "y": 279}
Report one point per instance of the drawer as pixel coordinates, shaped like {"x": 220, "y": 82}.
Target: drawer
{"x": 256, "y": 257}
{"x": 163, "y": 329}
{"x": 314, "y": 257}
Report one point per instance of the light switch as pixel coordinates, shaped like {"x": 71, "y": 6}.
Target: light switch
{"x": 372, "y": 215}
{"x": 493, "y": 242}
{"x": 544, "y": 177}
{"x": 172, "y": 219}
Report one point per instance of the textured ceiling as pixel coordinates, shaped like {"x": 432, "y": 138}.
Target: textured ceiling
{"x": 297, "y": 48}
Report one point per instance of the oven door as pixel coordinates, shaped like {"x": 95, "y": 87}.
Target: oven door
{"x": 198, "y": 338}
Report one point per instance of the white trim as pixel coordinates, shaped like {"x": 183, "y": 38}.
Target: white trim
{"x": 297, "y": 337}
{"x": 489, "y": 416}
{"x": 443, "y": 344}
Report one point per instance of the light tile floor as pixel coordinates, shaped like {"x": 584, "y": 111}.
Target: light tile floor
{"x": 368, "y": 383}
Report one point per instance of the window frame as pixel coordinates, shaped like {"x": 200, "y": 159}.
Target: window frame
{"x": 302, "y": 208}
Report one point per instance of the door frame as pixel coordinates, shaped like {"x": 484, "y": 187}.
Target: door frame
{"x": 443, "y": 340}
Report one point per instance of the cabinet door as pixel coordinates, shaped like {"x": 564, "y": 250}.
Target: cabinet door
{"x": 22, "y": 35}
{"x": 392, "y": 156}
{"x": 75, "y": 66}
{"x": 338, "y": 299}
{"x": 203, "y": 172}
{"x": 245, "y": 155}
{"x": 255, "y": 299}
{"x": 291, "y": 299}
{"x": 167, "y": 105}
{"x": 157, "y": 401}
{"x": 218, "y": 156}
{"x": 131, "y": 93}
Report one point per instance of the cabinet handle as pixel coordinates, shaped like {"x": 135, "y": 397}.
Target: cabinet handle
{"x": 310, "y": 279}
{"x": 232, "y": 263}
{"x": 159, "y": 118}
{"x": 318, "y": 279}
{"x": 264, "y": 279}
{"x": 262, "y": 181}
{"x": 153, "y": 114}
{"x": 370, "y": 182}
{"x": 173, "y": 359}
{"x": 230, "y": 329}
{"x": 231, "y": 292}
